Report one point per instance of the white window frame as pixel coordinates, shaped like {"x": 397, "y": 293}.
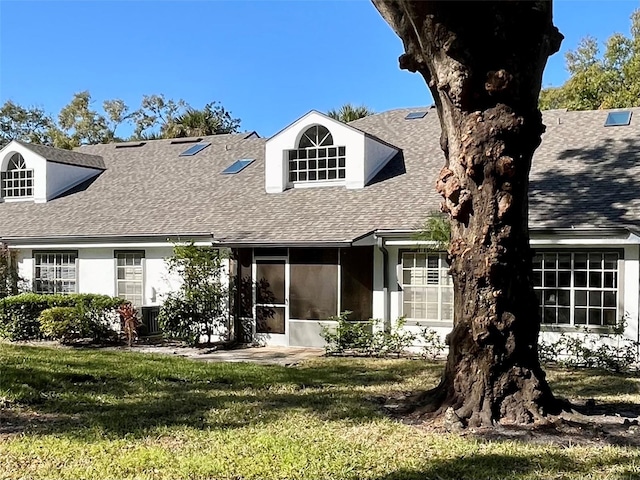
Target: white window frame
{"x": 16, "y": 179}
{"x": 124, "y": 281}
{"x": 56, "y": 264}
{"x": 425, "y": 278}
{"x": 319, "y": 161}
{"x": 583, "y": 298}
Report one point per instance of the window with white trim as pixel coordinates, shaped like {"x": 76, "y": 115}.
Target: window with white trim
{"x": 129, "y": 276}
{"x": 17, "y": 180}
{"x": 55, "y": 272}
{"x": 427, "y": 288}
{"x": 577, "y": 288}
{"x": 316, "y": 158}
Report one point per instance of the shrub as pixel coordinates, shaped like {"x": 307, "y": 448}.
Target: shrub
{"x": 432, "y": 344}
{"x": 363, "y": 338}
{"x": 200, "y": 307}
{"x": 608, "y": 351}
{"x": 63, "y": 323}
{"x": 19, "y": 314}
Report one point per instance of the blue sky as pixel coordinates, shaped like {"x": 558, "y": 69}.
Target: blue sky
{"x": 267, "y": 61}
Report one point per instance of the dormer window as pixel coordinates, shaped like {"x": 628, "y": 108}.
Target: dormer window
{"x": 317, "y": 158}
{"x": 17, "y": 180}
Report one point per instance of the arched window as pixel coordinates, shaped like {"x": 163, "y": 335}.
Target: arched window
{"x": 317, "y": 158}
{"x": 17, "y": 180}
{"x": 316, "y": 136}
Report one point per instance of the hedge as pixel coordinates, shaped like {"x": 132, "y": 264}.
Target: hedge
{"x": 19, "y": 314}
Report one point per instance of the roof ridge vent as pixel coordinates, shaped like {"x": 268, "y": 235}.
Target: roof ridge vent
{"x": 130, "y": 144}
{"x": 181, "y": 141}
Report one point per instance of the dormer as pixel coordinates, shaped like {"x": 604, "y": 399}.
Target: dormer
{"x": 38, "y": 173}
{"x": 318, "y": 151}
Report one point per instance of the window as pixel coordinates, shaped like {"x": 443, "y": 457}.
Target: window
{"x": 316, "y": 158}
{"x": 17, "y": 181}
{"x": 129, "y": 276}
{"x": 577, "y": 288}
{"x": 618, "y": 119}
{"x": 427, "y": 287}
{"x": 55, "y": 272}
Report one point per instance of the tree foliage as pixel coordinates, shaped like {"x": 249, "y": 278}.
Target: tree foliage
{"x": 348, "y": 113}
{"x": 80, "y": 122}
{"x": 600, "y": 80}
{"x": 199, "y": 308}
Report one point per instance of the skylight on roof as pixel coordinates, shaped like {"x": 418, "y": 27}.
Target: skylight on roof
{"x": 415, "y": 115}
{"x": 238, "y": 166}
{"x": 618, "y": 119}
{"x": 189, "y": 152}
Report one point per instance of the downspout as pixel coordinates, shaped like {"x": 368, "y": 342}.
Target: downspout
{"x": 386, "y": 321}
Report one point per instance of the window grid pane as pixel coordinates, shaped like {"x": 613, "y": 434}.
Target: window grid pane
{"x": 317, "y": 163}
{"x": 55, "y": 272}
{"x": 577, "y": 288}
{"x": 129, "y": 276}
{"x": 427, "y": 287}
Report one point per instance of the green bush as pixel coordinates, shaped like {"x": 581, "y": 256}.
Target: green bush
{"x": 19, "y": 314}
{"x": 363, "y": 338}
{"x": 608, "y": 351}
{"x": 63, "y": 323}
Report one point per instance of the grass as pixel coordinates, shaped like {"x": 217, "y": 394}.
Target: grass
{"x": 71, "y": 414}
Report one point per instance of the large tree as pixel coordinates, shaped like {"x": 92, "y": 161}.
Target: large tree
{"x": 607, "y": 80}
{"x": 483, "y": 63}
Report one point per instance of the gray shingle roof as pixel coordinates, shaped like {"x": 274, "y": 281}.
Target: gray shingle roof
{"x": 68, "y": 157}
{"x": 583, "y": 175}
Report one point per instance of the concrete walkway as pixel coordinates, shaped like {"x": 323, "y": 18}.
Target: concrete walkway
{"x": 261, "y": 355}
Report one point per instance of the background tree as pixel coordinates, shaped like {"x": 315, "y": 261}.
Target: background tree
{"x": 79, "y": 123}
{"x": 483, "y": 63}
{"x": 348, "y": 113}
{"x": 610, "y": 80}
{"x": 213, "y": 119}
{"x": 31, "y": 124}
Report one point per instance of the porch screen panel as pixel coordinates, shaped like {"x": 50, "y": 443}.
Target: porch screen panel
{"x": 313, "y": 291}
{"x": 357, "y": 282}
{"x": 270, "y": 282}
{"x": 270, "y": 320}
{"x": 245, "y": 286}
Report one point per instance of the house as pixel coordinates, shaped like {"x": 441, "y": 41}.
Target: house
{"x": 321, "y": 218}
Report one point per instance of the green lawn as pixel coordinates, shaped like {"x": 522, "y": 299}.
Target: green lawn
{"x": 69, "y": 414}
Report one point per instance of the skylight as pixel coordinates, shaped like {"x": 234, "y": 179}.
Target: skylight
{"x": 618, "y": 119}
{"x": 189, "y": 152}
{"x": 238, "y": 166}
{"x": 179, "y": 141}
{"x": 415, "y": 115}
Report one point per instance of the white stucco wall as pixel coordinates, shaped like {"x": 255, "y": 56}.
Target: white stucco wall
{"x": 364, "y": 156}
{"x": 376, "y": 156}
{"x": 60, "y": 178}
{"x": 33, "y": 162}
{"x": 96, "y": 270}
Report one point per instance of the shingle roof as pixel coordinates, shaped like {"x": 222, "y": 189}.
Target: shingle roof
{"x": 584, "y": 174}
{"x": 68, "y": 157}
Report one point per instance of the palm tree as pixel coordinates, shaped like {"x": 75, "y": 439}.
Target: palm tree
{"x": 348, "y": 113}
{"x": 211, "y": 120}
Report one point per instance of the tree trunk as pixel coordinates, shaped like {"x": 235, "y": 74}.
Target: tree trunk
{"x": 483, "y": 63}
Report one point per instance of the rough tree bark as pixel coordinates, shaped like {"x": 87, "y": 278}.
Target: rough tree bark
{"x": 483, "y": 62}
